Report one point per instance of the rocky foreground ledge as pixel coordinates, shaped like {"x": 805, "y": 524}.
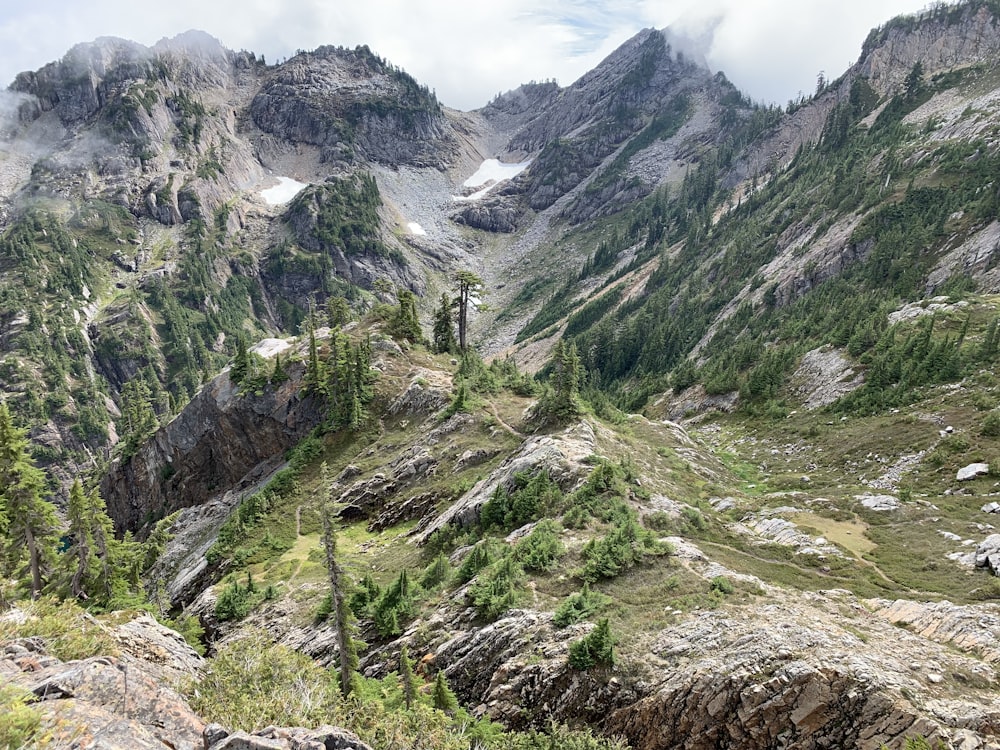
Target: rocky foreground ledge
{"x": 124, "y": 702}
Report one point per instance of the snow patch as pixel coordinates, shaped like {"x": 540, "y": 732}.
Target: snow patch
{"x": 416, "y": 229}
{"x": 284, "y": 191}
{"x": 490, "y": 173}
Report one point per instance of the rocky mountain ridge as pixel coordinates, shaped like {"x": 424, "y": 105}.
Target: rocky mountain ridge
{"x": 701, "y": 253}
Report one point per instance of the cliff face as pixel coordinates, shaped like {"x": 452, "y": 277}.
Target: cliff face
{"x": 941, "y": 39}
{"x": 222, "y": 441}
{"x": 352, "y": 103}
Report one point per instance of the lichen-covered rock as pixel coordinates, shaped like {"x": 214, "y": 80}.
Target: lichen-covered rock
{"x": 112, "y": 703}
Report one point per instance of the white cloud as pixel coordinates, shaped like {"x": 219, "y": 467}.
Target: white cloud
{"x": 467, "y": 51}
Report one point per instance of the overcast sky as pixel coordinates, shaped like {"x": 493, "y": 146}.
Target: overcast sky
{"x": 468, "y": 51}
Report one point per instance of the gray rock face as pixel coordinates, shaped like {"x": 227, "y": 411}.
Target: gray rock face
{"x": 823, "y": 376}
{"x": 76, "y": 86}
{"x": 343, "y": 100}
{"x": 942, "y": 42}
{"x": 583, "y": 127}
{"x": 221, "y": 440}
{"x": 491, "y": 215}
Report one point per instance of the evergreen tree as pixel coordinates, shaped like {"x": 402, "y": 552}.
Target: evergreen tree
{"x": 137, "y": 412}
{"x": 442, "y": 698}
{"x": 444, "y": 328}
{"x": 278, "y": 373}
{"x": 314, "y": 368}
{"x": 347, "y": 651}
{"x": 337, "y": 312}
{"x": 241, "y": 360}
{"x": 595, "y": 649}
{"x": 407, "y": 677}
{"x": 405, "y": 325}
{"x": 436, "y": 573}
{"x": 560, "y": 401}
{"x": 468, "y": 286}
{"x": 92, "y": 537}
{"x": 32, "y": 530}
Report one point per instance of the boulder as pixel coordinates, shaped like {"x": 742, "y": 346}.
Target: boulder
{"x": 972, "y": 471}
{"x": 988, "y": 554}
{"x": 879, "y": 502}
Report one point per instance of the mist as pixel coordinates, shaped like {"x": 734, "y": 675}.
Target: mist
{"x": 468, "y": 52}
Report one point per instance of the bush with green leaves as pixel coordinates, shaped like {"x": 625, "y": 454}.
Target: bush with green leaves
{"x": 721, "y": 585}
{"x": 69, "y": 631}
{"x": 236, "y": 601}
{"x": 533, "y": 496}
{"x": 579, "y": 606}
{"x": 561, "y": 737}
{"x": 484, "y": 553}
{"x": 395, "y": 606}
{"x": 254, "y": 682}
{"x": 624, "y": 546}
{"x": 595, "y": 649}
{"x": 495, "y": 589}
{"x": 541, "y": 549}
{"x": 990, "y": 426}
{"x": 19, "y": 720}
{"x": 602, "y": 496}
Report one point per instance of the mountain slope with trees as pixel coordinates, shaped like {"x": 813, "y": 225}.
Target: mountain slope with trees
{"x": 687, "y": 434}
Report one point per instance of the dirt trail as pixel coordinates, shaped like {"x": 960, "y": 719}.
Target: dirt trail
{"x": 499, "y": 419}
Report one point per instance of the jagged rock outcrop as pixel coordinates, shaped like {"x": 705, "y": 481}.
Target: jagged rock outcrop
{"x": 117, "y": 703}
{"x": 129, "y": 701}
{"x": 492, "y": 215}
{"x": 812, "y": 670}
{"x": 223, "y": 439}
{"x": 517, "y": 669}
{"x": 788, "y": 678}
{"x": 350, "y": 100}
{"x": 561, "y": 455}
{"x": 972, "y": 629}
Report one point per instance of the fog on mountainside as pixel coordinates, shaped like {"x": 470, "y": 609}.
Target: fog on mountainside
{"x": 627, "y": 413}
